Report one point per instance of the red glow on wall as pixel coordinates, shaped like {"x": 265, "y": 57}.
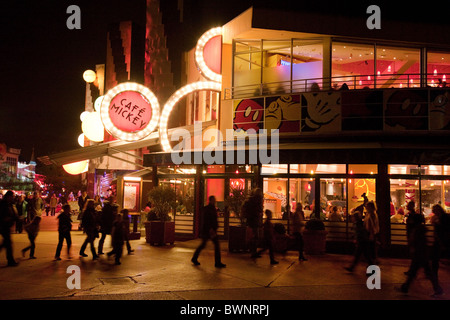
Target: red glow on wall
{"x": 129, "y": 111}
{"x": 212, "y": 54}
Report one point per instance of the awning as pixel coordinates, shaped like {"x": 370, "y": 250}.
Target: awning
{"x": 113, "y": 149}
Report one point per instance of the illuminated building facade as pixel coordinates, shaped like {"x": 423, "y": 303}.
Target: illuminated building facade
{"x": 357, "y": 112}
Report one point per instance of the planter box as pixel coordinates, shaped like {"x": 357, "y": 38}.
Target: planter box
{"x": 314, "y": 241}
{"x": 238, "y": 239}
{"x": 159, "y": 232}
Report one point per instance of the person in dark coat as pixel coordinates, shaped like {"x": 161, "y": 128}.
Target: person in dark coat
{"x": 117, "y": 238}
{"x": 419, "y": 255}
{"x": 107, "y": 217}
{"x": 209, "y": 231}
{"x": 268, "y": 237}
{"x": 64, "y": 228}
{"x": 253, "y": 212}
{"x": 32, "y": 229}
{"x": 441, "y": 243}
{"x": 361, "y": 238}
{"x": 8, "y": 215}
{"x": 89, "y": 226}
{"x": 126, "y": 223}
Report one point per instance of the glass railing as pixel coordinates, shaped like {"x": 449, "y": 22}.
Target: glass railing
{"x": 345, "y": 82}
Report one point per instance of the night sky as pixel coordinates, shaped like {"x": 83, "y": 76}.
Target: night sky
{"x": 42, "y": 61}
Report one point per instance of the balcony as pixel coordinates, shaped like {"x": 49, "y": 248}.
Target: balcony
{"x": 352, "y": 82}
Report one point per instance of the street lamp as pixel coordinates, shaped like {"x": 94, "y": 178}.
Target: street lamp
{"x": 89, "y": 76}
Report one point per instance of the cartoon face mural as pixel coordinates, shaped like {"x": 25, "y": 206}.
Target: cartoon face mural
{"x": 406, "y": 110}
{"x": 283, "y": 113}
{"x": 440, "y": 110}
{"x": 320, "y": 111}
{"x": 248, "y": 114}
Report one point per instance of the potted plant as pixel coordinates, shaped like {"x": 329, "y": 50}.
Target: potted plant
{"x": 159, "y": 229}
{"x": 237, "y": 234}
{"x": 314, "y": 237}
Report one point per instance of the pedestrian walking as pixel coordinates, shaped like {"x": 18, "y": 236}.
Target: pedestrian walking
{"x": 53, "y": 203}
{"x": 8, "y": 215}
{"x": 32, "y": 230}
{"x": 371, "y": 224}
{"x": 36, "y": 205}
{"x": 82, "y": 202}
{"x": 268, "y": 237}
{"x": 89, "y": 226}
{"x": 64, "y": 228}
{"x": 441, "y": 243}
{"x": 419, "y": 256}
{"x": 253, "y": 212}
{"x": 126, "y": 223}
{"x": 361, "y": 238}
{"x": 117, "y": 238}
{"x": 298, "y": 218}
{"x": 106, "y": 221}
{"x": 21, "y": 206}
{"x": 209, "y": 232}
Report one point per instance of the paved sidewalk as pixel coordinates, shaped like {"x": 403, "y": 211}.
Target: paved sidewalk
{"x": 166, "y": 273}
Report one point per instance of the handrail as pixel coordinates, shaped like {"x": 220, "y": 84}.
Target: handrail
{"x": 353, "y": 82}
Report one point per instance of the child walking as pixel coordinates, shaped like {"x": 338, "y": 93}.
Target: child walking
{"x": 32, "y": 229}
{"x": 64, "y": 228}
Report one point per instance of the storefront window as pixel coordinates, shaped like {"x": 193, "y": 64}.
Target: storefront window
{"x": 247, "y": 67}
{"x": 215, "y": 187}
{"x": 403, "y": 169}
{"x": 357, "y": 189}
{"x": 431, "y": 193}
{"x": 362, "y": 168}
{"x": 177, "y": 169}
{"x": 276, "y": 74}
{"x": 438, "y": 68}
{"x": 307, "y": 63}
{"x": 333, "y": 193}
{"x": 397, "y": 67}
{"x": 302, "y": 193}
{"x": 275, "y": 196}
{"x": 402, "y": 192}
{"x": 352, "y": 64}
{"x": 431, "y": 169}
{"x": 317, "y": 168}
{"x": 274, "y": 168}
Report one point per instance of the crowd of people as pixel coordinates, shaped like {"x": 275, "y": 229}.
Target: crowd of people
{"x": 103, "y": 218}
{"x": 96, "y": 217}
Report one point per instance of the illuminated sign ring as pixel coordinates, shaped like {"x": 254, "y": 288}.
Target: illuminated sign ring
{"x": 199, "y": 56}
{"x": 174, "y": 98}
{"x": 113, "y": 128}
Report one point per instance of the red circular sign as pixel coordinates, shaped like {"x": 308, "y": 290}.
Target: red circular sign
{"x": 130, "y": 111}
